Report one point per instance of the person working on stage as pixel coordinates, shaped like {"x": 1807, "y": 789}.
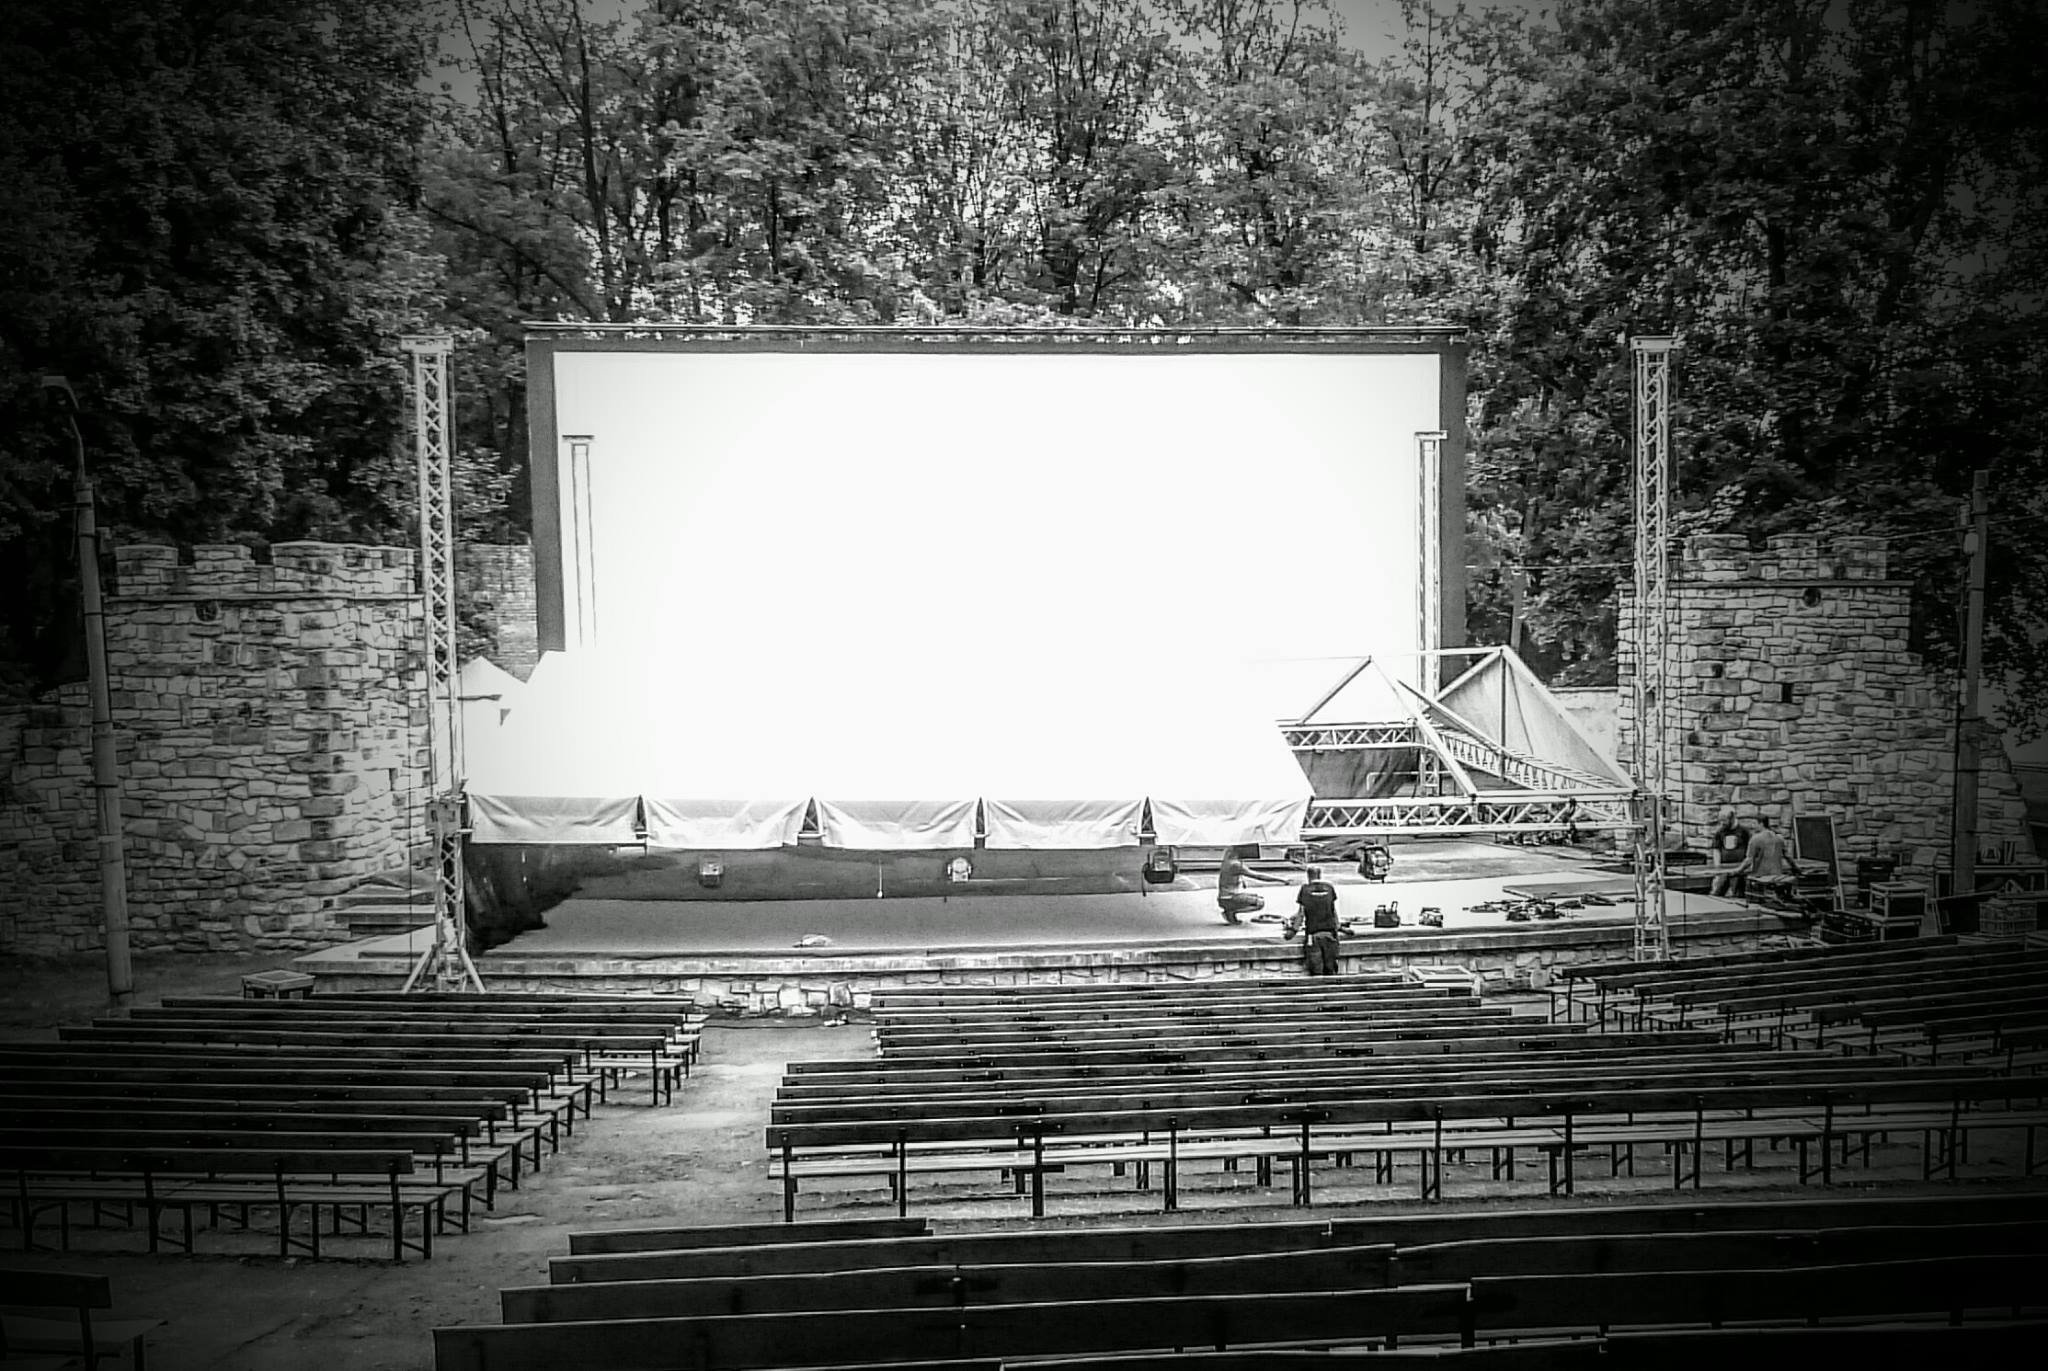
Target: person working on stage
{"x": 1731, "y": 845}
{"x": 1231, "y": 896}
{"x": 1317, "y": 917}
{"x": 1765, "y": 864}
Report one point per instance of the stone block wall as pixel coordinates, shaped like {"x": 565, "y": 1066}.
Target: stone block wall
{"x": 497, "y": 580}
{"x": 49, "y": 870}
{"x": 270, "y": 741}
{"x": 1793, "y": 690}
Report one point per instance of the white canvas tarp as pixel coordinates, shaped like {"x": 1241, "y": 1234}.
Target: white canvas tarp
{"x": 1060, "y": 746}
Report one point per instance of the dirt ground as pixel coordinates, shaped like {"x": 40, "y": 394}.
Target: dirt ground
{"x": 700, "y": 1160}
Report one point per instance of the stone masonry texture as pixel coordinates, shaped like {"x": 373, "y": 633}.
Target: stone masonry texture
{"x": 1793, "y": 690}
{"x": 497, "y": 581}
{"x": 271, "y": 743}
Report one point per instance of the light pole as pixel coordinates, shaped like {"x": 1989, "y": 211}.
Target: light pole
{"x": 106, "y": 779}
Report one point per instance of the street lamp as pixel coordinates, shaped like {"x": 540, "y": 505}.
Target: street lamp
{"x": 106, "y": 780}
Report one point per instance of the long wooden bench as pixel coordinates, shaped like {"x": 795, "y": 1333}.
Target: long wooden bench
{"x": 79, "y": 1337}
{"x": 572, "y": 1051}
{"x": 958, "y": 1286}
{"x": 1486, "y": 1305}
{"x": 1030, "y": 1145}
{"x": 179, "y": 1178}
{"x": 1753, "y": 988}
{"x": 744, "y": 1342}
{"x": 535, "y": 1090}
{"x": 1021, "y": 1083}
{"x": 501, "y": 1110}
{"x": 1203, "y": 1052}
{"x": 1254, "y": 1081}
{"x": 680, "y": 1037}
{"x": 1591, "y": 987}
{"x": 1035, "y": 1279}
{"x": 1407, "y": 1232}
{"x": 597, "y": 1241}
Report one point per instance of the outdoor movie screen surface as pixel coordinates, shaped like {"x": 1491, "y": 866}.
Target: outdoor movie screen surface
{"x": 1247, "y": 498}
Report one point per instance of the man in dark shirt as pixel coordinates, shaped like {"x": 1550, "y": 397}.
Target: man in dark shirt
{"x": 1318, "y": 920}
{"x": 1731, "y": 845}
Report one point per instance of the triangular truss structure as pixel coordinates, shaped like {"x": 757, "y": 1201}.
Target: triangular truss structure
{"x": 1490, "y": 752}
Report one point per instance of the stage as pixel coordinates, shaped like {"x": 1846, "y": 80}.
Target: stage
{"x": 821, "y": 955}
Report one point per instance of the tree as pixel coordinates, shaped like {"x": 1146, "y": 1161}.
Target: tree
{"x": 1806, "y": 196}
{"x": 204, "y": 219}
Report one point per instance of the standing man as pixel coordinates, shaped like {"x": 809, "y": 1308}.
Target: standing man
{"x": 1731, "y": 845}
{"x": 1231, "y": 896}
{"x": 1317, "y": 917}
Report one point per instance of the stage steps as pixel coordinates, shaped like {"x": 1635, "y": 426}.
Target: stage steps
{"x": 387, "y": 903}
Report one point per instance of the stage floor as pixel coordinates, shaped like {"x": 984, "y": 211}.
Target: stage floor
{"x": 1450, "y": 875}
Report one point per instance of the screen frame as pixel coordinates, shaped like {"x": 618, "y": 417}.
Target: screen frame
{"x": 545, "y": 443}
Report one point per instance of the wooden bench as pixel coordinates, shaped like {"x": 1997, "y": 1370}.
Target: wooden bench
{"x": 1805, "y": 1213}
{"x": 598, "y": 1241}
{"x": 77, "y": 1336}
{"x": 1610, "y": 1299}
{"x": 960, "y": 1286}
{"x": 1815, "y": 1112}
{"x": 744, "y": 1342}
{"x": 179, "y": 1178}
{"x": 339, "y": 1073}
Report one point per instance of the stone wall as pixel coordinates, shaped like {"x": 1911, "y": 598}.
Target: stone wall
{"x": 1793, "y": 690}
{"x": 271, "y": 748}
{"x": 495, "y": 582}
{"x": 49, "y": 870}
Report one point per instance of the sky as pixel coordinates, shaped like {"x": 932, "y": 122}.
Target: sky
{"x": 1373, "y": 26}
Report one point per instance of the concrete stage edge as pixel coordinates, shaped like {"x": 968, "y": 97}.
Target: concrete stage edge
{"x": 742, "y": 957}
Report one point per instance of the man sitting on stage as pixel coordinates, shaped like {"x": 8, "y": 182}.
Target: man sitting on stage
{"x": 1231, "y": 896}
{"x": 1317, "y": 917}
{"x": 1766, "y": 864}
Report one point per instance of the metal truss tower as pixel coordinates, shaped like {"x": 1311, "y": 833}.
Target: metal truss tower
{"x": 445, "y": 964}
{"x": 1652, "y": 638}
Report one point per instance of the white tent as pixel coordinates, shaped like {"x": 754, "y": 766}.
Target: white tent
{"x": 1056, "y": 745}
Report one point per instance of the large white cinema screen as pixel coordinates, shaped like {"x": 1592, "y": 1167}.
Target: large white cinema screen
{"x": 782, "y": 502}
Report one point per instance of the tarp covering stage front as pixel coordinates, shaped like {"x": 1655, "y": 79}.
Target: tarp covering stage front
{"x": 1060, "y": 745}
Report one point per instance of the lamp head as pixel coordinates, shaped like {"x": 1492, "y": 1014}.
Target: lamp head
{"x": 61, "y": 388}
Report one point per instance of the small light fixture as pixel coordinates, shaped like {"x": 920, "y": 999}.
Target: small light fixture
{"x": 1160, "y": 868}
{"x": 710, "y": 873}
{"x": 959, "y": 869}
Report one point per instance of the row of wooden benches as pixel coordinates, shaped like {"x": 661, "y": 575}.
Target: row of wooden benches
{"x": 346, "y": 1106}
{"x": 737, "y": 1299}
{"x": 1556, "y": 1095}
{"x": 1913, "y": 998}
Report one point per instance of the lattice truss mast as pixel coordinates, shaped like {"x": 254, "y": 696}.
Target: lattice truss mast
{"x": 445, "y": 964}
{"x": 1651, "y": 753}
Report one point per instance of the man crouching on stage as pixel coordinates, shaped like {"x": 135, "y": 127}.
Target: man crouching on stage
{"x": 1318, "y": 918}
{"x": 1231, "y": 896}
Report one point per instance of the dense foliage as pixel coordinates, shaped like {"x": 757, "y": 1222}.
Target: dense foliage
{"x": 219, "y": 213}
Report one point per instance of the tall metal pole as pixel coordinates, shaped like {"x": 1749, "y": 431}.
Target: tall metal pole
{"x": 106, "y": 777}
{"x": 1969, "y": 722}
{"x": 446, "y": 960}
{"x": 1652, "y": 746}
{"x": 1429, "y": 543}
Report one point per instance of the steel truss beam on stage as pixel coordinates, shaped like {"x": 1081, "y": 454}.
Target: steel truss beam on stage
{"x": 1515, "y": 792}
{"x": 1449, "y": 815}
{"x": 1475, "y": 754}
